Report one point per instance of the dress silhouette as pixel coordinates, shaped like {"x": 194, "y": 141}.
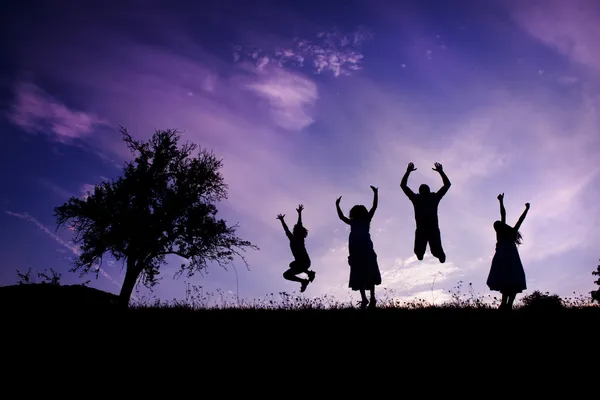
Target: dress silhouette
{"x": 362, "y": 258}
{"x": 507, "y": 275}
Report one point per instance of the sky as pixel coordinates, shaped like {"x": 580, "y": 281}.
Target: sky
{"x": 306, "y": 102}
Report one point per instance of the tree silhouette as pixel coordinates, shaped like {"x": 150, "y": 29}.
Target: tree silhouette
{"x": 596, "y": 293}
{"x": 162, "y": 205}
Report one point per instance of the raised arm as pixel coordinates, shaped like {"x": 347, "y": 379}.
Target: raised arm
{"x": 299, "y": 209}
{"x": 522, "y": 217}
{"x": 285, "y": 227}
{"x": 404, "y": 183}
{"x": 375, "y": 201}
{"x": 444, "y": 189}
{"x": 339, "y": 211}
{"x": 502, "y": 209}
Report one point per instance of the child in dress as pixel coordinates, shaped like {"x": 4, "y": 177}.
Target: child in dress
{"x": 364, "y": 269}
{"x": 507, "y": 275}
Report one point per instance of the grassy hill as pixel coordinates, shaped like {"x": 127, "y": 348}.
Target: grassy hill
{"x": 72, "y": 317}
{"x": 24, "y": 298}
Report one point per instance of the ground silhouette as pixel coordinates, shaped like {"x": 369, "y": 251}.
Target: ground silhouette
{"x": 45, "y": 296}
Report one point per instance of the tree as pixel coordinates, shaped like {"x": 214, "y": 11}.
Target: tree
{"x": 162, "y": 205}
{"x": 596, "y": 293}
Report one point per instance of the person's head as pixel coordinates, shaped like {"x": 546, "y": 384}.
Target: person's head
{"x": 300, "y": 231}
{"x": 508, "y": 231}
{"x": 424, "y": 190}
{"x": 359, "y": 212}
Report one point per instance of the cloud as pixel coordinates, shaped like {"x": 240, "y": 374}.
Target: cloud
{"x": 434, "y": 297}
{"x": 411, "y": 274}
{"x": 87, "y": 189}
{"x": 570, "y": 28}
{"x": 289, "y": 96}
{"x": 36, "y": 111}
{"x": 568, "y": 80}
{"x": 74, "y": 249}
{"x": 56, "y": 189}
{"x": 331, "y": 51}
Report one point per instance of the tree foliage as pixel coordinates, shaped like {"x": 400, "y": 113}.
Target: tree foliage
{"x": 163, "y": 204}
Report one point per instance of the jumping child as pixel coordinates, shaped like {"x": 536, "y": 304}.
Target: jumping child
{"x": 301, "y": 263}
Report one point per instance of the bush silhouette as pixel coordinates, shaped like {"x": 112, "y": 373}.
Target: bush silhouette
{"x": 542, "y": 301}
{"x": 596, "y": 293}
{"x": 51, "y": 278}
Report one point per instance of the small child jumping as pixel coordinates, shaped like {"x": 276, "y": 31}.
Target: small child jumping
{"x": 301, "y": 263}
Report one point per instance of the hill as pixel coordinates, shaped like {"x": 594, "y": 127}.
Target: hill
{"x": 44, "y": 296}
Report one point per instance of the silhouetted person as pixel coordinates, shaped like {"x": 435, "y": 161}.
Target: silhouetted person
{"x": 301, "y": 263}
{"x": 364, "y": 269}
{"x": 506, "y": 272}
{"x": 426, "y": 214}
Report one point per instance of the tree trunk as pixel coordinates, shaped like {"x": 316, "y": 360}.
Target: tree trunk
{"x": 131, "y": 276}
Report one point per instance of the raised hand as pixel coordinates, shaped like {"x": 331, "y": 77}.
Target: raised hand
{"x": 373, "y": 188}
{"x": 280, "y": 216}
{"x": 338, "y": 200}
{"x": 501, "y": 197}
{"x": 300, "y": 208}
{"x": 527, "y": 205}
{"x": 438, "y": 167}
{"x": 411, "y": 167}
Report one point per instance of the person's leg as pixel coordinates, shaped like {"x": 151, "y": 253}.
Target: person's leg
{"x": 291, "y": 273}
{"x": 373, "y": 301}
{"x": 504, "y": 301}
{"x": 420, "y": 243}
{"x": 364, "y": 300}
{"x": 510, "y": 300}
{"x": 435, "y": 244}
{"x": 306, "y": 269}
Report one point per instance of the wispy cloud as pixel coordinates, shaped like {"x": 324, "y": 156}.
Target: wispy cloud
{"x": 571, "y": 28}
{"x": 73, "y": 249}
{"x": 87, "y": 189}
{"x": 290, "y": 97}
{"x": 330, "y": 51}
{"x": 56, "y": 189}
{"x": 35, "y": 111}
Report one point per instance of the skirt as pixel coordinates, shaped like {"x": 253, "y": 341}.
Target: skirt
{"x": 506, "y": 272}
{"x": 364, "y": 270}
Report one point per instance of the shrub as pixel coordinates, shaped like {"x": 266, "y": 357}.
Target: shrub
{"x": 539, "y": 300}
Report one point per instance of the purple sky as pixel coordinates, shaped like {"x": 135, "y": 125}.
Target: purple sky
{"x": 308, "y": 103}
